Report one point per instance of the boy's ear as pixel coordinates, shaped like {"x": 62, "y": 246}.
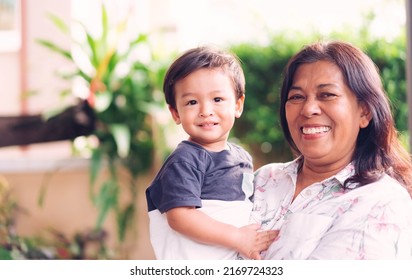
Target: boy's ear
{"x": 239, "y": 106}
{"x": 175, "y": 115}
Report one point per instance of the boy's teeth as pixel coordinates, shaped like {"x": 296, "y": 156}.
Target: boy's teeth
{"x": 208, "y": 124}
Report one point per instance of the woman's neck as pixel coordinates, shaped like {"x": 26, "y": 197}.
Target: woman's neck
{"x": 311, "y": 173}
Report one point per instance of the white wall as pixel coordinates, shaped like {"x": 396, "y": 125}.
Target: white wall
{"x": 41, "y": 64}
{"x": 9, "y": 82}
{"x": 39, "y": 67}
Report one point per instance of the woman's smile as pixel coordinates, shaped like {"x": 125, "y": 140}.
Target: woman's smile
{"x": 313, "y": 130}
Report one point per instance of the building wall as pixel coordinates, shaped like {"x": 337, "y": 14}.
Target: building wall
{"x": 67, "y": 206}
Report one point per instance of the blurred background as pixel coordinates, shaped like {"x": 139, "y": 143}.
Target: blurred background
{"x": 83, "y": 123}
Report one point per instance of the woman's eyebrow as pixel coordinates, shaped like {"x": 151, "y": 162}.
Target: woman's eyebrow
{"x": 319, "y": 86}
{"x": 295, "y": 88}
{"x": 327, "y": 85}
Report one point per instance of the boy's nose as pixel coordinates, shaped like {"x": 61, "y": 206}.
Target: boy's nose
{"x": 206, "y": 111}
{"x": 204, "y": 114}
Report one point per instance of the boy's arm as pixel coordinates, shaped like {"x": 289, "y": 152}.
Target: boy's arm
{"x": 198, "y": 226}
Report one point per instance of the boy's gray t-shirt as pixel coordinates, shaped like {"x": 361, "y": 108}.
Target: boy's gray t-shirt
{"x": 192, "y": 174}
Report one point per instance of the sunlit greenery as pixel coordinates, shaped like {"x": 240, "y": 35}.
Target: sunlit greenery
{"x": 121, "y": 90}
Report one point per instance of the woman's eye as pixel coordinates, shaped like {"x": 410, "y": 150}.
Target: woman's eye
{"x": 218, "y": 99}
{"x": 327, "y": 95}
{"x": 296, "y": 98}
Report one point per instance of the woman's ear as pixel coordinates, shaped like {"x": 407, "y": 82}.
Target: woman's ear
{"x": 366, "y": 115}
{"x": 175, "y": 115}
{"x": 239, "y": 106}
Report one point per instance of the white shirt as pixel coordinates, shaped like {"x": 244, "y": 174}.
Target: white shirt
{"x": 325, "y": 221}
{"x": 169, "y": 244}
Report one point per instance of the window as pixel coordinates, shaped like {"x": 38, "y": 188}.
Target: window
{"x": 9, "y": 25}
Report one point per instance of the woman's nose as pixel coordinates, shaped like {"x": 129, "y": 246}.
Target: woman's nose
{"x": 311, "y": 108}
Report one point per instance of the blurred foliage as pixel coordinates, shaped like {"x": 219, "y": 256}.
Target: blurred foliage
{"x": 54, "y": 245}
{"x": 121, "y": 78}
{"x": 259, "y": 127}
{"x": 50, "y": 244}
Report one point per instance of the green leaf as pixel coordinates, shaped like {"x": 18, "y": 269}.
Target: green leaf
{"x": 44, "y": 186}
{"x": 124, "y": 220}
{"x": 105, "y": 24}
{"x": 5, "y": 254}
{"x": 53, "y": 47}
{"x": 92, "y": 44}
{"x": 103, "y": 44}
{"x": 121, "y": 135}
{"x": 95, "y": 167}
{"x": 59, "y": 23}
{"x": 94, "y": 57}
{"x": 140, "y": 39}
{"x": 106, "y": 200}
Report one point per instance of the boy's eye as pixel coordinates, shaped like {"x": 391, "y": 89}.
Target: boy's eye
{"x": 217, "y": 99}
{"x": 191, "y": 102}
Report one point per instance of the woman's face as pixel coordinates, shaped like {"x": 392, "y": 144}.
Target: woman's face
{"x": 323, "y": 115}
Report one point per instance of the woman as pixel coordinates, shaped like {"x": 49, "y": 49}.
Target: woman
{"x": 345, "y": 196}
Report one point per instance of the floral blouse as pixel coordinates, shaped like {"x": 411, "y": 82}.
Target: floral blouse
{"x": 325, "y": 221}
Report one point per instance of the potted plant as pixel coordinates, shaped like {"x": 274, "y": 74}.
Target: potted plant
{"x": 122, "y": 94}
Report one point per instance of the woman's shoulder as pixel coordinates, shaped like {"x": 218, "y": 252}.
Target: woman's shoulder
{"x": 386, "y": 200}
{"x": 385, "y": 192}
{"x": 284, "y": 167}
{"x": 390, "y": 186}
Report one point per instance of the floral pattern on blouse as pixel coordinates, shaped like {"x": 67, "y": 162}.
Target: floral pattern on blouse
{"x": 327, "y": 221}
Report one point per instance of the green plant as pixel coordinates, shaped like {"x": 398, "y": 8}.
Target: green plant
{"x": 122, "y": 102}
{"x": 51, "y": 244}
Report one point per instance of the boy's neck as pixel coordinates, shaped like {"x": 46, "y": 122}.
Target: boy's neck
{"x": 213, "y": 147}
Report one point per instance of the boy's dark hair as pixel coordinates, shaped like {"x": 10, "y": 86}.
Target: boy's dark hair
{"x": 203, "y": 57}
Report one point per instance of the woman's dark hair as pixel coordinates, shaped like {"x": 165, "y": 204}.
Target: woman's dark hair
{"x": 203, "y": 57}
{"x": 378, "y": 150}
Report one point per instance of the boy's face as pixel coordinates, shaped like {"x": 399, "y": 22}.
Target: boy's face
{"x": 206, "y": 106}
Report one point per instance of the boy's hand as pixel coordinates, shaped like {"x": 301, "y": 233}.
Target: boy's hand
{"x": 251, "y": 241}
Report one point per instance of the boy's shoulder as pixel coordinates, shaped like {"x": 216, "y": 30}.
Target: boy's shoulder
{"x": 188, "y": 152}
{"x": 236, "y": 146}
{"x": 240, "y": 150}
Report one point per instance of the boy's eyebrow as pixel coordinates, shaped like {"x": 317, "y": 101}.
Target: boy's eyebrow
{"x": 186, "y": 94}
